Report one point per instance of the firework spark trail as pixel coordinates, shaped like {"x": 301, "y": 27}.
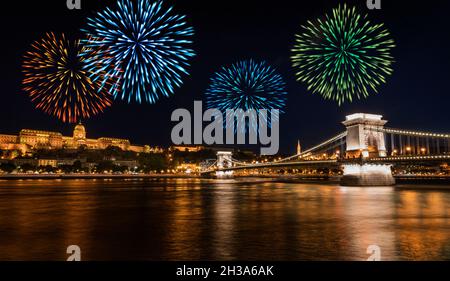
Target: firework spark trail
{"x": 145, "y": 45}
{"x": 247, "y": 85}
{"x": 56, "y": 82}
{"x": 343, "y": 56}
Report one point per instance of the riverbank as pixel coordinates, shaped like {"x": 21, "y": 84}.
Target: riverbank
{"x": 444, "y": 181}
{"x": 400, "y": 179}
{"x": 89, "y": 176}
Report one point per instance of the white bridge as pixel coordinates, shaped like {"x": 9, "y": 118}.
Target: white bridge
{"x": 365, "y": 151}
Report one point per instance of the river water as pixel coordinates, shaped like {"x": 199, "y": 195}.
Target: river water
{"x": 200, "y": 219}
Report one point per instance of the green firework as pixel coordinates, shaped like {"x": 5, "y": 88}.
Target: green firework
{"x": 343, "y": 56}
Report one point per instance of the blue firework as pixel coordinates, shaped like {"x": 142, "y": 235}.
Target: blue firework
{"x": 144, "y": 45}
{"x": 247, "y": 85}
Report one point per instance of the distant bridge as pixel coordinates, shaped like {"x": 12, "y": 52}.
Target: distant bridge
{"x": 366, "y": 151}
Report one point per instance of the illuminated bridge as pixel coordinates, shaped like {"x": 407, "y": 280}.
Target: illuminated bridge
{"x": 366, "y": 152}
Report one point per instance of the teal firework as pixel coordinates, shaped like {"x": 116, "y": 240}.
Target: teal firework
{"x": 144, "y": 44}
{"x": 247, "y": 85}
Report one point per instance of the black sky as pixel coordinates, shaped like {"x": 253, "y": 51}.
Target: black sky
{"x": 415, "y": 97}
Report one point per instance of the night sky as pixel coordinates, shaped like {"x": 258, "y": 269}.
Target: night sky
{"x": 415, "y": 97}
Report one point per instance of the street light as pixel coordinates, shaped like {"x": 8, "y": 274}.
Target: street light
{"x": 338, "y": 154}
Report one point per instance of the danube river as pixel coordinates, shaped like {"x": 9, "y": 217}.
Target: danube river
{"x": 200, "y": 219}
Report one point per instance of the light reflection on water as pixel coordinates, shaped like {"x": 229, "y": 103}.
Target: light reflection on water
{"x": 193, "y": 219}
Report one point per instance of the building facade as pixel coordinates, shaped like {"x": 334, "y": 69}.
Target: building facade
{"x": 29, "y": 140}
{"x": 186, "y": 148}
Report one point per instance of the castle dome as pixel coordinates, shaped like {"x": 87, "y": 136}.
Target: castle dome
{"x": 79, "y": 132}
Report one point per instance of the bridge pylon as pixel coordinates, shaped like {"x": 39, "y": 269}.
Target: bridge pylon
{"x": 224, "y": 161}
{"x": 365, "y": 136}
{"x": 366, "y": 139}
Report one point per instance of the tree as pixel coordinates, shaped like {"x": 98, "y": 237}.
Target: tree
{"x": 7, "y": 167}
{"x": 82, "y": 148}
{"x": 48, "y": 168}
{"x": 77, "y": 166}
{"x": 121, "y": 169}
{"x": 150, "y": 162}
{"x": 67, "y": 169}
{"x": 193, "y": 157}
{"x": 113, "y": 151}
{"x": 93, "y": 156}
{"x": 105, "y": 166}
{"x": 28, "y": 167}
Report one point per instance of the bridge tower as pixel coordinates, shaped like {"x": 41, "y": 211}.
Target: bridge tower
{"x": 365, "y": 136}
{"x": 224, "y": 160}
{"x": 365, "y": 140}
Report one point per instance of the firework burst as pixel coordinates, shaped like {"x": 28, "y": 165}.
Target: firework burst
{"x": 343, "y": 56}
{"x": 56, "y": 82}
{"x": 145, "y": 45}
{"x": 247, "y": 85}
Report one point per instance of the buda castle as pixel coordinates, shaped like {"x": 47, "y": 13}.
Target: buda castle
{"x": 29, "y": 140}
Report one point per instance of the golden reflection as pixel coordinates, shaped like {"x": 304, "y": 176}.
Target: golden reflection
{"x": 196, "y": 219}
{"x": 223, "y": 226}
{"x": 185, "y": 219}
{"x": 423, "y": 225}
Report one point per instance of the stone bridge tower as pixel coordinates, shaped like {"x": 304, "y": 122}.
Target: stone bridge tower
{"x": 365, "y": 136}
{"x": 224, "y": 159}
{"x": 366, "y": 140}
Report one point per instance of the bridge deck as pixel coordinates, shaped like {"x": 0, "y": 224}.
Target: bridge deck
{"x": 393, "y": 159}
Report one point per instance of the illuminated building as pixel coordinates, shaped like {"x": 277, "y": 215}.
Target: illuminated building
{"x": 29, "y": 140}
{"x": 188, "y": 168}
{"x": 187, "y": 148}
